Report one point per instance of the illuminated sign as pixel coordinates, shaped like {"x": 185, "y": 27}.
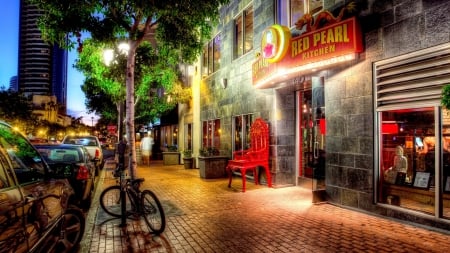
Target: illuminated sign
{"x": 275, "y": 42}
{"x": 328, "y": 45}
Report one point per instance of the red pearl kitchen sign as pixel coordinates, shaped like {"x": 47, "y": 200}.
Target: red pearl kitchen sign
{"x": 332, "y": 41}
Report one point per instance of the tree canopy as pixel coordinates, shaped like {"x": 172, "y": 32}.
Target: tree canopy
{"x": 174, "y": 25}
{"x": 154, "y": 71}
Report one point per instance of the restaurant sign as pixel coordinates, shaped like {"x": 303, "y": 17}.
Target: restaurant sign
{"x": 322, "y": 46}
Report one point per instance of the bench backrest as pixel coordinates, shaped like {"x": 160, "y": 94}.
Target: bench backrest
{"x": 259, "y": 138}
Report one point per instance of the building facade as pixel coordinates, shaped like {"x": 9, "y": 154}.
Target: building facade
{"x": 42, "y": 68}
{"x": 351, "y": 91}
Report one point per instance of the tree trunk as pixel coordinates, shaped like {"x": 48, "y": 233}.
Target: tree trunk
{"x": 131, "y": 137}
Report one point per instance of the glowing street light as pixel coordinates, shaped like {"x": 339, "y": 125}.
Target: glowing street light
{"x": 108, "y": 58}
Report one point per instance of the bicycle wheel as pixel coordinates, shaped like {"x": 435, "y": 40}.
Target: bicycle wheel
{"x": 111, "y": 203}
{"x": 153, "y": 212}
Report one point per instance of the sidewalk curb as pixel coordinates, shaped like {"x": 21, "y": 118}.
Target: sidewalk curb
{"x": 86, "y": 241}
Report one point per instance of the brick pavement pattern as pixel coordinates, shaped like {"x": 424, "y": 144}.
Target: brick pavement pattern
{"x": 207, "y": 216}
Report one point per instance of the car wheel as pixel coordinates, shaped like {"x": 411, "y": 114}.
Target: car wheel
{"x": 67, "y": 235}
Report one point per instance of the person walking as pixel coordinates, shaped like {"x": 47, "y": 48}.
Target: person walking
{"x": 146, "y": 148}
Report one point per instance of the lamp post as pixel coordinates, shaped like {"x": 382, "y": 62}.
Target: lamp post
{"x": 108, "y": 57}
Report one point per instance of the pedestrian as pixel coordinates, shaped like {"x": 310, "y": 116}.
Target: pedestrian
{"x": 146, "y": 148}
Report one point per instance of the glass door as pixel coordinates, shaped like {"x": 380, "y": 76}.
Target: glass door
{"x": 319, "y": 129}
{"x": 312, "y": 130}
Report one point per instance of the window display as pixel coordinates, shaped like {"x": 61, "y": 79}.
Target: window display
{"x": 413, "y": 156}
{"x": 407, "y": 158}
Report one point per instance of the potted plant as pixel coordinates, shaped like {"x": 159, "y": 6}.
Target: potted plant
{"x": 211, "y": 163}
{"x": 188, "y": 160}
{"x": 171, "y": 156}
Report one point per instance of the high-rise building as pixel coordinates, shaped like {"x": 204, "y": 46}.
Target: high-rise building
{"x": 42, "y": 68}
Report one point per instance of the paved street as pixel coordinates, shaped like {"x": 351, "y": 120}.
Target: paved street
{"x": 207, "y": 216}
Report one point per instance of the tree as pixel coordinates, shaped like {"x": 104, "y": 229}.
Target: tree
{"x": 16, "y": 109}
{"x": 182, "y": 26}
{"x": 104, "y": 84}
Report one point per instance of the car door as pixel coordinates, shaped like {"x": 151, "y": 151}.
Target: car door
{"x": 36, "y": 199}
{"x": 12, "y": 232}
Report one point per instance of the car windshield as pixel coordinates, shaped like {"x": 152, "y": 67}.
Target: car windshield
{"x": 60, "y": 155}
{"x": 85, "y": 141}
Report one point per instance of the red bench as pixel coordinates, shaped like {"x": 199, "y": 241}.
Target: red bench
{"x": 256, "y": 155}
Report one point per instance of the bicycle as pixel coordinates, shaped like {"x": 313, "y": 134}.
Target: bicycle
{"x": 138, "y": 203}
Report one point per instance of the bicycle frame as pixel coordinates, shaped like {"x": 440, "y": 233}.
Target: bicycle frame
{"x": 133, "y": 192}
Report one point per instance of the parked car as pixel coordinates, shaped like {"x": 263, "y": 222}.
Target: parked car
{"x": 36, "y": 214}
{"x": 92, "y": 144}
{"x": 74, "y": 163}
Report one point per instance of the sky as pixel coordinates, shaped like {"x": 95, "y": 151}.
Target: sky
{"x": 9, "y": 32}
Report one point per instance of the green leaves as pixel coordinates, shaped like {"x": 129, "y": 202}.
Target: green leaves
{"x": 446, "y": 96}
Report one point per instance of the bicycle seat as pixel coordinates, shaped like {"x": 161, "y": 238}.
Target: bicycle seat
{"x": 138, "y": 180}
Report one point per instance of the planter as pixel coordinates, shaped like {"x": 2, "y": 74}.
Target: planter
{"x": 212, "y": 166}
{"x": 171, "y": 158}
{"x": 188, "y": 162}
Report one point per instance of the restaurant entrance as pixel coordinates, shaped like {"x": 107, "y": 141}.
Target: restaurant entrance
{"x": 311, "y": 136}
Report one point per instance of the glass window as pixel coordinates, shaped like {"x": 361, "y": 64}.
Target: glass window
{"x": 288, "y": 12}
{"x": 445, "y": 182}
{"x": 26, "y": 161}
{"x": 243, "y": 33}
{"x": 211, "y": 56}
{"x": 241, "y": 131}
{"x": 248, "y": 31}
{"x": 216, "y": 53}
{"x": 238, "y": 38}
{"x": 211, "y": 134}
{"x": 169, "y": 135}
{"x": 407, "y": 158}
{"x": 205, "y": 61}
{"x": 297, "y": 10}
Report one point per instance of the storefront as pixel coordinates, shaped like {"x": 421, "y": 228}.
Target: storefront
{"x": 299, "y": 66}
{"x": 343, "y": 96}
{"x": 413, "y": 131}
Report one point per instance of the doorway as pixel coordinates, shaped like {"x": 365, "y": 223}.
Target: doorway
{"x": 311, "y": 137}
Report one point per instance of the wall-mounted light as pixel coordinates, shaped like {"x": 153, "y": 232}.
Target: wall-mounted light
{"x": 224, "y": 83}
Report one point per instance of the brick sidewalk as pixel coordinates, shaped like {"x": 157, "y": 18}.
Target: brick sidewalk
{"x": 207, "y": 216}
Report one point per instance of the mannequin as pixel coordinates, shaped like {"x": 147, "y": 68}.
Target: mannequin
{"x": 397, "y": 173}
{"x": 400, "y": 161}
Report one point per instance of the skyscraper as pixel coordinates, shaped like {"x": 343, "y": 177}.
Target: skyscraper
{"x": 42, "y": 68}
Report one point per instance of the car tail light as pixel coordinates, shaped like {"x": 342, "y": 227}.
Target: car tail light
{"x": 83, "y": 173}
{"x": 97, "y": 153}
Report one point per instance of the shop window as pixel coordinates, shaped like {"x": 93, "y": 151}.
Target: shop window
{"x": 169, "y": 135}
{"x": 288, "y": 12}
{"x": 241, "y": 131}
{"x": 243, "y": 33}
{"x": 211, "y": 56}
{"x": 211, "y": 134}
{"x": 409, "y": 147}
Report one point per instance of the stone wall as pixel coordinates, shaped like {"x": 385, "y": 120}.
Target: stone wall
{"x": 390, "y": 28}
{"x": 239, "y": 97}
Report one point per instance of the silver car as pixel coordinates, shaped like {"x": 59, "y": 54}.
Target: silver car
{"x": 92, "y": 144}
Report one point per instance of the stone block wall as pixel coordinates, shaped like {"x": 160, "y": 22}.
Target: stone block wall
{"x": 390, "y": 28}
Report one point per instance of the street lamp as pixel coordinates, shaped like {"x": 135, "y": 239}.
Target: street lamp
{"x": 108, "y": 58}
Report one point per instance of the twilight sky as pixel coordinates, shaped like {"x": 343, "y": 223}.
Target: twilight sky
{"x": 9, "y": 32}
